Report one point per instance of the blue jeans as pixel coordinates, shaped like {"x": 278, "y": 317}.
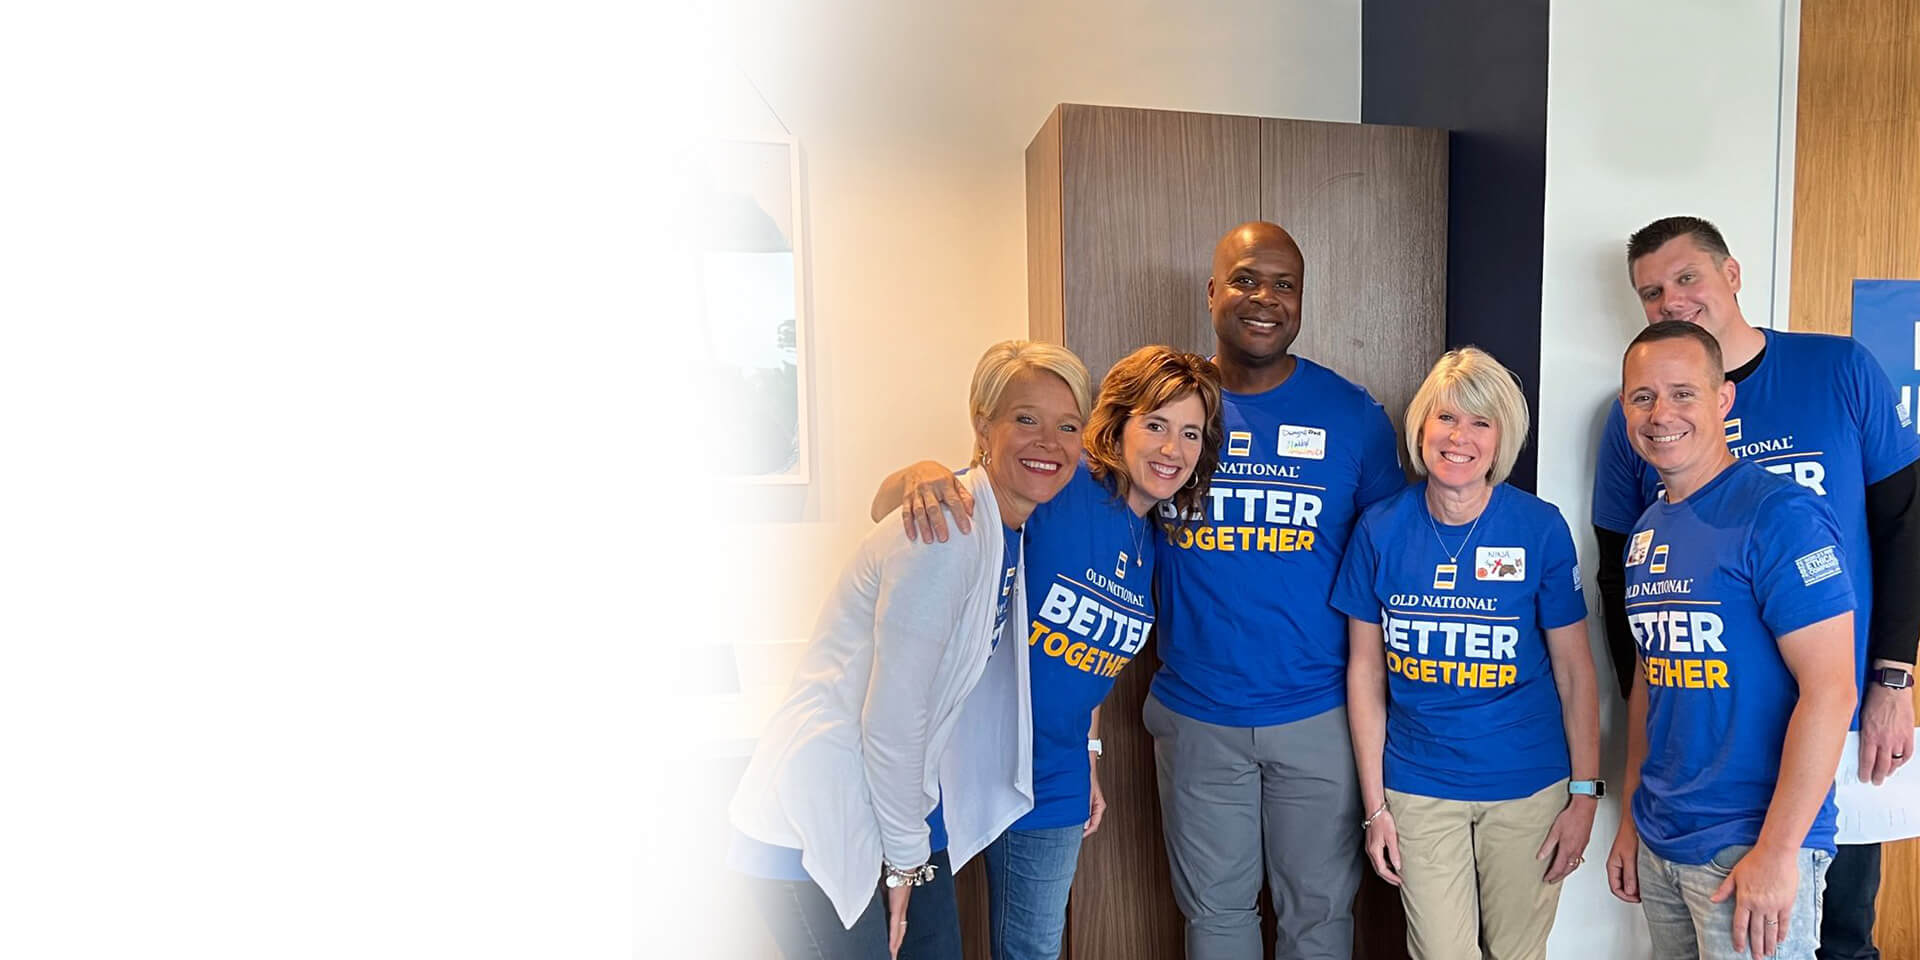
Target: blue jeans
{"x": 806, "y": 927}
{"x": 1685, "y": 924}
{"x": 1029, "y": 873}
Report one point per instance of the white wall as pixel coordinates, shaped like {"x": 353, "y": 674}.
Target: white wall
{"x": 914, "y": 119}
{"x": 1654, "y": 108}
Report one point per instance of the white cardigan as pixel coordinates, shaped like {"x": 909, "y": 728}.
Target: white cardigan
{"x": 899, "y": 698}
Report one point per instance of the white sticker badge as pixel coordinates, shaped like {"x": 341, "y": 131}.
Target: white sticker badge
{"x": 1499, "y": 563}
{"x": 1637, "y": 550}
{"x": 1306, "y": 443}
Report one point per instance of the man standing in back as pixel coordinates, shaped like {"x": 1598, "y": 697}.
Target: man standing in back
{"x": 1817, "y": 410}
{"x": 1248, "y": 710}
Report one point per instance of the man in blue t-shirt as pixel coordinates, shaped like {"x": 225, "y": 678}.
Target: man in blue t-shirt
{"x": 1248, "y": 709}
{"x": 1742, "y": 614}
{"x": 1818, "y": 410}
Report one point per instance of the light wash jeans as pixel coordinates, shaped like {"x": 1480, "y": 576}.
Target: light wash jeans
{"x": 1686, "y": 925}
{"x": 1029, "y": 874}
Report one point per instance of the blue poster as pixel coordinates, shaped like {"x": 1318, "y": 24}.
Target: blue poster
{"x": 1886, "y": 320}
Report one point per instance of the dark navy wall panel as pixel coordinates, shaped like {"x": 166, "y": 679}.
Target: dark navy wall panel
{"x": 1479, "y": 69}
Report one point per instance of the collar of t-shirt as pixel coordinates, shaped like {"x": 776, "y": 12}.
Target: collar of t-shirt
{"x": 1746, "y": 370}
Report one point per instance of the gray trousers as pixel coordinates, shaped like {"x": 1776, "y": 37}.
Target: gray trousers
{"x": 1233, "y": 799}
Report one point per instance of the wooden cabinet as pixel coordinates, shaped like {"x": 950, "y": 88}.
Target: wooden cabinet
{"x": 1124, "y": 207}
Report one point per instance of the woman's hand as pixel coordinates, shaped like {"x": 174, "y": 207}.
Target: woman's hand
{"x": 1566, "y": 845}
{"x": 897, "y": 898}
{"x": 1383, "y": 847}
{"x": 925, "y": 486}
{"x": 1098, "y": 807}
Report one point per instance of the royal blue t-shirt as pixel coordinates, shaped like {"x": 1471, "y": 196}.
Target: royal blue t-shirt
{"x": 1089, "y": 607}
{"x": 1817, "y": 410}
{"x": 1246, "y": 636}
{"x": 1712, "y": 582}
{"x": 1010, "y": 561}
{"x": 1472, "y": 710}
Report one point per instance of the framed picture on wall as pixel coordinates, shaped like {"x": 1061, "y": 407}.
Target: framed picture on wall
{"x": 752, "y": 298}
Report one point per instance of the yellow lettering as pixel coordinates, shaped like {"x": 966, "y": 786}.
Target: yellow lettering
{"x": 1508, "y": 674}
{"x": 1306, "y": 540}
{"x": 1056, "y": 644}
{"x": 1717, "y": 674}
{"x": 1038, "y": 629}
{"x": 1269, "y": 539}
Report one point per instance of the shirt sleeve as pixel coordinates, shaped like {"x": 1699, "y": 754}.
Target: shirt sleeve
{"x": 1619, "y": 492}
{"x": 1353, "y": 588}
{"x": 1380, "y": 473}
{"x": 923, "y": 592}
{"x": 1562, "y": 600}
{"x": 1886, "y": 445}
{"x": 1796, "y": 565}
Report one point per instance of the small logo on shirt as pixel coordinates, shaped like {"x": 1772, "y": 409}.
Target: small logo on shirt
{"x": 1444, "y": 575}
{"x": 1500, "y": 563}
{"x": 1120, "y": 568}
{"x": 1306, "y": 443}
{"x": 1819, "y": 565}
{"x": 1239, "y": 443}
{"x": 1637, "y": 550}
{"x": 1658, "y": 563}
{"x": 1577, "y": 586}
{"x": 1733, "y": 430}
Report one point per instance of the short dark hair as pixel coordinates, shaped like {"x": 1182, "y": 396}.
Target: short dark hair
{"x": 1655, "y": 235}
{"x": 1682, "y": 330}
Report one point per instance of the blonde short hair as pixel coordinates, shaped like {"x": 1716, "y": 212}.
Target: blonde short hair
{"x": 1008, "y": 359}
{"x": 1471, "y": 380}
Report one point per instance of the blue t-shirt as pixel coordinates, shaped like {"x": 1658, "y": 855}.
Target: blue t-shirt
{"x": 1817, "y": 410}
{"x": 1010, "y": 563}
{"x": 1472, "y": 710}
{"x": 1712, "y": 583}
{"x": 1089, "y": 606}
{"x": 1246, "y": 636}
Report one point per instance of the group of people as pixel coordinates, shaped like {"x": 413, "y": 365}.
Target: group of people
{"x": 1356, "y": 670}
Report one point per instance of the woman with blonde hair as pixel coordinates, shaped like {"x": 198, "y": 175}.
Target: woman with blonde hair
{"x": 862, "y": 795}
{"x": 1470, "y": 686}
{"x": 1153, "y": 438}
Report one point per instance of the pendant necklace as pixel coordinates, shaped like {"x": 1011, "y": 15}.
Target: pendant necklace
{"x": 1446, "y": 575}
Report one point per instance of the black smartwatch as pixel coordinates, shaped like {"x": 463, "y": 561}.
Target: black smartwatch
{"x": 1893, "y": 678}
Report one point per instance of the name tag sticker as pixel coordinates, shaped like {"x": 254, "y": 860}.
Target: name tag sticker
{"x": 1500, "y": 563}
{"x": 1819, "y": 565}
{"x": 1306, "y": 443}
{"x": 1637, "y": 550}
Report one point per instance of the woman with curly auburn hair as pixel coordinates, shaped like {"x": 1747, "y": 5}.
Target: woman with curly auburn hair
{"x": 1152, "y": 440}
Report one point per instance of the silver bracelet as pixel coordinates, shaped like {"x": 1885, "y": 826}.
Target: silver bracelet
{"x": 896, "y": 877}
{"x": 1368, "y": 822}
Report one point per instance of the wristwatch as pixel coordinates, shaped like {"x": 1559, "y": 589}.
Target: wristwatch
{"x": 1587, "y": 788}
{"x": 1893, "y": 678}
{"x": 1093, "y": 747}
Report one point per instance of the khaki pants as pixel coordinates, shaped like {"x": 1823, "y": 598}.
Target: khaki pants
{"x": 1469, "y": 877}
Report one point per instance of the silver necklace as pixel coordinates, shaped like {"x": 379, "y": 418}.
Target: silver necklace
{"x": 1139, "y": 536}
{"x": 1454, "y": 557}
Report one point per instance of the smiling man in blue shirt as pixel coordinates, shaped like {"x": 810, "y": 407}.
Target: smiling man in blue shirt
{"x": 1816, "y": 410}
